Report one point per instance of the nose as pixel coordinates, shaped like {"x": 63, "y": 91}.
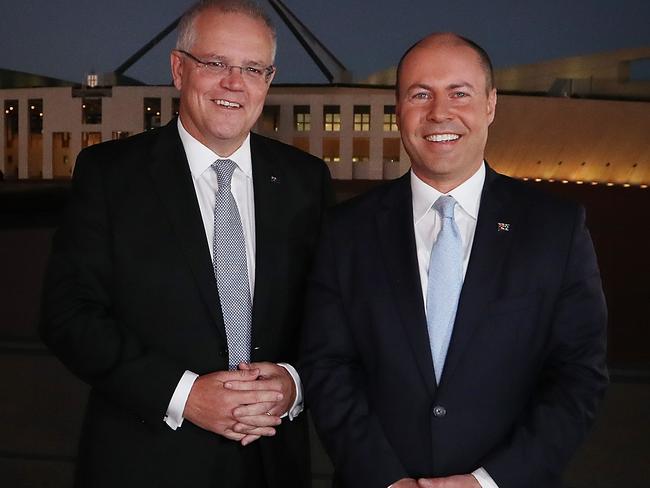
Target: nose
{"x": 233, "y": 79}
{"x": 439, "y": 110}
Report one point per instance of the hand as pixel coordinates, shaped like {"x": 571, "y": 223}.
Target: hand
{"x": 460, "y": 481}
{"x": 250, "y": 417}
{"x": 211, "y": 406}
{"x": 405, "y": 483}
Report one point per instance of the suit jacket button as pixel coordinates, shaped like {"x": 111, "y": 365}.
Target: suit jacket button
{"x": 439, "y": 411}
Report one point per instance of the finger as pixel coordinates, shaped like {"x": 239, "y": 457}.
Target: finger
{"x": 270, "y": 384}
{"x": 249, "y": 397}
{"x": 254, "y": 409}
{"x": 248, "y": 439}
{"x": 238, "y": 375}
{"x": 247, "y": 429}
{"x": 232, "y": 435}
{"x": 260, "y": 420}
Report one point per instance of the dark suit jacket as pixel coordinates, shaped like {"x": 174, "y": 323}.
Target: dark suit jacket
{"x": 526, "y": 363}
{"x": 131, "y": 302}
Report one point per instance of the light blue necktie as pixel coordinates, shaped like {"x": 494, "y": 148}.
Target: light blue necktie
{"x": 445, "y": 282}
{"x": 230, "y": 268}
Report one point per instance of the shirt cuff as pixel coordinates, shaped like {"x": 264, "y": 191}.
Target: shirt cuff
{"x": 484, "y": 479}
{"x": 174, "y": 415}
{"x": 298, "y": 404}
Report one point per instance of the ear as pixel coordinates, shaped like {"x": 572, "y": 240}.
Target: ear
{"x": 176, "y": 61}
{"x": 492, "y": 104}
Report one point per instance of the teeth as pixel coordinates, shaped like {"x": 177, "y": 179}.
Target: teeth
{"x": 442, "y": 137}
{"x": 226, "y": 103}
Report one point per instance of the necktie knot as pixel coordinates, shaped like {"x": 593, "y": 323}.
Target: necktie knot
{"x": 444, "y": 205}
{"x": 224, "y": 169}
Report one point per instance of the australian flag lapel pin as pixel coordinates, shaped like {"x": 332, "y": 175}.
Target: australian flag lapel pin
{"x": 503, "y": 227}
{"x": 275, "y": 179}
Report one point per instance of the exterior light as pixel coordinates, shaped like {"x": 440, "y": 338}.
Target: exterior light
{"x": 538, "y": 180}
{"x": 11, "y": 108}
{"x": 32, "y": 107}
{"x": 594, "y": 183}
{"x": 610, "y": 183}
{"x": 525, "y": 178}
{"x": 551, "y": 180}
{"x": 148, "y": 109}
{"x": 565, "y": 181}
{"x": 579, "y": 182}
{"x": 626, "y": 185}
{"x": 40, "y": 114}
{"x": 644, "y": 186}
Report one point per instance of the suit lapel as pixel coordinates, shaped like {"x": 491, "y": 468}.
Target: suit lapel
{"x": 269, "y": 238}
{"x": 173, "y": 181}
{"x": 489, "y": 250}
{"x": 397, "y": 244}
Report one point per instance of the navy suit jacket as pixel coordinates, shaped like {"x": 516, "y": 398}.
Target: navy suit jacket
{"x": 131, "y": 302}
{"x": 526, "y": 363}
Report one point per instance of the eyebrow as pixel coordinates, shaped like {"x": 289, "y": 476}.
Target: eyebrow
{"x": 451, "y": 86}
{"x": 226, "y": 59}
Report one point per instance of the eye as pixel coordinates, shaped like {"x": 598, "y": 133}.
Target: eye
{"x": 252, "y": 70}
{"x": 459, "y": 94}
{"x": 420, "y": 96}
{"x": 216, "y": 65}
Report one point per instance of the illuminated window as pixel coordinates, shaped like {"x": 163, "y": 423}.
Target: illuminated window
{"x": 301, "y": 143}
{"x": 332, "y": 118}
{"x": 61, "y": 167}
{"x": 302, "y": 118}
{"x": 92, "y": 80}
{"x": 90, "y": 138}
{"x": 120, "y": 134}
{"x": 362, "y": 118}
{"x": 151, "y": 110}
{"x": 360, "y": 149}
{"x": 35, "y": 138}
{"x": 331, "y": 150}
{"x": 390, "y": 119}
{"x": 91, "y": 110}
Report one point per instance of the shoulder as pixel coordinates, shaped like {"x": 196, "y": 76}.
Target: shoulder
{"x": 284, "y": 154}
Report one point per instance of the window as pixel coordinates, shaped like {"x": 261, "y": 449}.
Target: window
{"x": 90, "y": 138}
{"x": 332, "y": 118}
{"x": 120, "y": 134}
{"x": 362, "y": 118}
{"x": 391, "y": 150}
{"x": 390, "y": 119}
{"x": 61, "y": 154}
{"x": 91, "y": 110}
{"x": 270, "y": 119}
{"x": 151, "y": 109}
{"x": 302, "y": 118}
{"x": 35, "y": 138}
{"x": 360, "y": 150}
{"x": 301, "y": 143}
{"x": 176, "y": 106}
{"x": 331, "y": 150}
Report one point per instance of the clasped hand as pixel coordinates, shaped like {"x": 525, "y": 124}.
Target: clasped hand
{"x": 241, "y": 405}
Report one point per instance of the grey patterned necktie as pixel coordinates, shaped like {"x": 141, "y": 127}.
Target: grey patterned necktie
{"x": 230, "y": 268}
{"x": 445, "y": 282}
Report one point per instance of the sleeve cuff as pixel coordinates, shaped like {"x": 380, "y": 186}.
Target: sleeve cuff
{"x": 484, "y": 479}
{"x": 174, "y": 415}
{"x": 298, "y": 404}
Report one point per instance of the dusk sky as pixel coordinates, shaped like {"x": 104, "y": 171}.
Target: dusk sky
{"x": 66, "y": 38}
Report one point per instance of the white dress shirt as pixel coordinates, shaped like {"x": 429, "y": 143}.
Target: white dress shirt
{"x": 427, "y": 223}
{"x": 200, "y": 159}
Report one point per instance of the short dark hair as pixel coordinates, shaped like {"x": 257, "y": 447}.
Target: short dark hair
{"x": 185, "y": 31}
{"x": 484, "y": 58}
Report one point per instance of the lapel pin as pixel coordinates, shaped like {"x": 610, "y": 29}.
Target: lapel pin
{"x": 275, "y": 179}
{"x": 503, "y": 226}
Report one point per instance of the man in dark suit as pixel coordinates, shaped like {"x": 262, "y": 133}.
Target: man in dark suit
{"x": 455, "y": 321}
{"x": 176, "y": 279}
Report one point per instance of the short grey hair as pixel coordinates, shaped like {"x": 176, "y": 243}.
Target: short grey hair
{"x": 187, "y": 34}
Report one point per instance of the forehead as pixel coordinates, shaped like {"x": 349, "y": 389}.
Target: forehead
{"x": 232, "y": 34}
{"x": 442, "y": 64}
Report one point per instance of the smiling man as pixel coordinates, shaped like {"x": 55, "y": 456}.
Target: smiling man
{"x": 455, "y": 327}
{"x": 177, "y": 278}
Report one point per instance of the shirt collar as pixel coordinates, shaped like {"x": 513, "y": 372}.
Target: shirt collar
{"x": 201, "y": 157}
{"x": 467, "y": 194}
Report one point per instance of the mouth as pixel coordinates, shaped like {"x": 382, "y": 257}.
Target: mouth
{"x": 227, "y": 104}
{"x": 442, "y": 138}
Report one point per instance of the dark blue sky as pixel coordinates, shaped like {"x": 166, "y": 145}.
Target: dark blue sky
{"x": 65, "y": 38}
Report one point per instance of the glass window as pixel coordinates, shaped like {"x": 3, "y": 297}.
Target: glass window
{"x": 270, "y": 119}
{"x": 151, "y": 109}
{"x": 332, "y": 118}
{"x": 391, "y": 150}
{"x": 91, "y": 110}
{"x": 362, "y": 118}
{"x": 331, "y": 150}
{"x": 360, "y": 149}
{"x": 302, "y": 118}
{"x": 390, "y": 119}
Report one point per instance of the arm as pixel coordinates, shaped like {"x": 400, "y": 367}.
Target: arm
{"x": 335, "y": 386}
{"x": 572, "y": 380}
